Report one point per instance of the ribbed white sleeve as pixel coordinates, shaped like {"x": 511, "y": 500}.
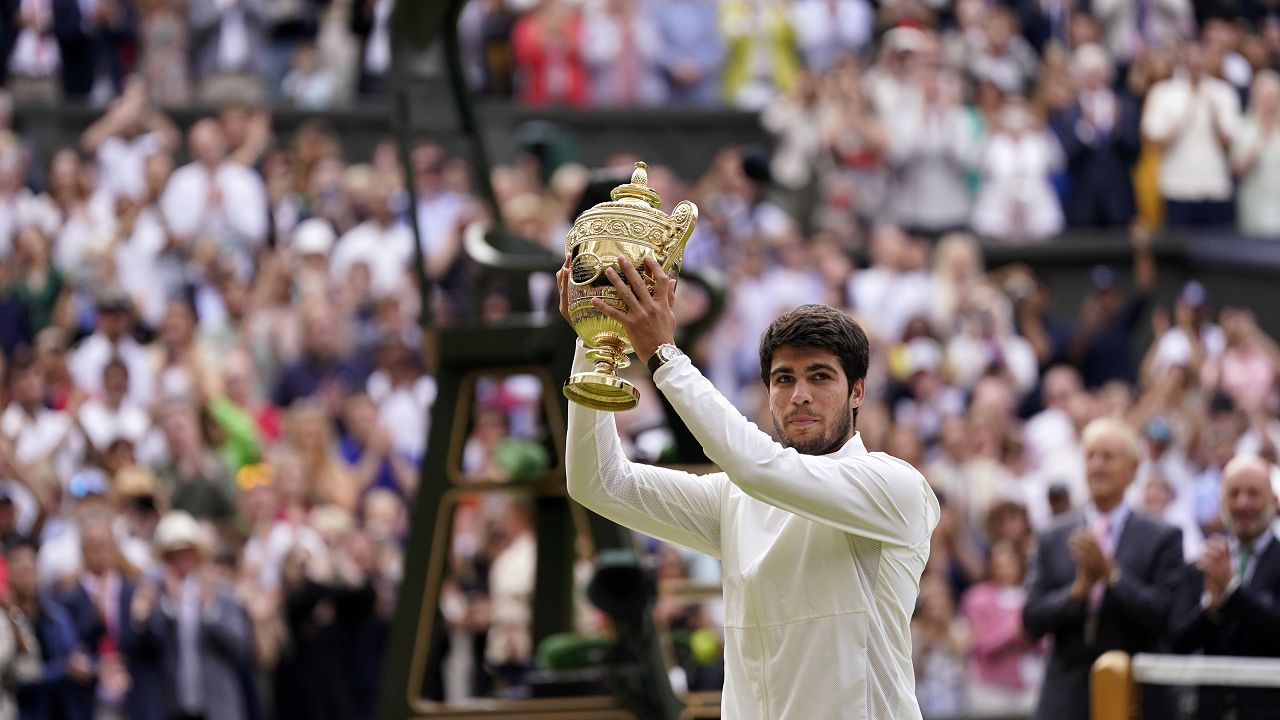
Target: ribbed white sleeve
{"x": 673, "y": 506}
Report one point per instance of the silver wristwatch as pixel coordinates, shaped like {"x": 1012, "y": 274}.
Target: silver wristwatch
{"x": 663, "y": 355}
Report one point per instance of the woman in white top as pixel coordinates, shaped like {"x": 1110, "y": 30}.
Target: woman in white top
{"x": 1255, "y": 159}
{"x": 1017, "y": 202}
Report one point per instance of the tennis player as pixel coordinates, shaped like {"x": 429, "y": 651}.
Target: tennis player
{"x": 822, "y": 543}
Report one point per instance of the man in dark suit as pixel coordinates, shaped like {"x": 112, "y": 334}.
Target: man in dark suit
{"x": 1229, "y": 602}
{"x": 1103, "y": 580}
{"x": 1100, "y": 135}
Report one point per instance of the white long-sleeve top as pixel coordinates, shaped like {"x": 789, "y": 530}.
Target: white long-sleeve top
{"x": 821, "y": 555}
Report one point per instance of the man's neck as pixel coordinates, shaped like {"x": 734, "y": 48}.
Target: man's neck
{"x": 1105, "y": 506}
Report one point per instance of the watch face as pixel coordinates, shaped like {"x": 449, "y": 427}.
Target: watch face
{"x": 667, "y": 352}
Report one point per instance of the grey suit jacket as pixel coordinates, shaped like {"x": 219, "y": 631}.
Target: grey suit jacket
{"x": 225, "y": 640}
{"x": 1133, "y": 616}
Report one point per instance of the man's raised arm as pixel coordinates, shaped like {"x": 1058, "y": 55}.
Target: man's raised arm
{"x": 873, "y": 496}
{"x": 670, "y": 505}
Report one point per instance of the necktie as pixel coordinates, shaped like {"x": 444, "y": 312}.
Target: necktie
{"x": 1246, "y": 553}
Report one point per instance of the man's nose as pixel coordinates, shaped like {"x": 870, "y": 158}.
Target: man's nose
{"x": 802, "y": 395}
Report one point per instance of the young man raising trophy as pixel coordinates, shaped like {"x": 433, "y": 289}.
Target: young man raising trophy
{"x": 822, "y": 543}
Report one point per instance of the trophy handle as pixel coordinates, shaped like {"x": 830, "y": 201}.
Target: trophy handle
{"x": 683, "y": 218}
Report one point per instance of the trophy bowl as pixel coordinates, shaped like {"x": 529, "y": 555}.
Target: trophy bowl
{"x": 629, "y": 226}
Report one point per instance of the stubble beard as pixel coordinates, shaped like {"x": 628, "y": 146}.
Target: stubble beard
{"x": 827, "y": 442}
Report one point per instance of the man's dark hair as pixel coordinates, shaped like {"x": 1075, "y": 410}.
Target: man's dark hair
{"x": 818, "y": 327}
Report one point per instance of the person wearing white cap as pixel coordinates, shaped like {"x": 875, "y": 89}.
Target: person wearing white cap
{"x": 202, "y": 631}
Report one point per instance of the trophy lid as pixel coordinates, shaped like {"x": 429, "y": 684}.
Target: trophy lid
{"x": 638, "y": 188}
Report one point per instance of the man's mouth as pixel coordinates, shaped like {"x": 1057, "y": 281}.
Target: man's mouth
{"x": 803, "y": 421}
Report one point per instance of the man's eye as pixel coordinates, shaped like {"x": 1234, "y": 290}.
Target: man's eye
{"x": 782, "y": 380}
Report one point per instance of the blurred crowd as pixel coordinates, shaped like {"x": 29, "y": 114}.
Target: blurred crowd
{"x": 1014, "y": 119}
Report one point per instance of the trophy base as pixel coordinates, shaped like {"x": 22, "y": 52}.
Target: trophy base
{"x": 600, "y": 391}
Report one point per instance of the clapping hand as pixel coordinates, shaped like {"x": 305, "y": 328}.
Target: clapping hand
{"x": 1215, "y": 563}
{"x": 1092, "y": 564}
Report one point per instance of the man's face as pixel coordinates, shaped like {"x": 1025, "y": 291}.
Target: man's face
{"x": 115, "y": 384}
{"x": 98, "y": 547}
{"x": 1109, "y": 468}
{"x": 23, "y": 581}
{"x": 1248, "y": 503}
{"x": 810, "y": 401}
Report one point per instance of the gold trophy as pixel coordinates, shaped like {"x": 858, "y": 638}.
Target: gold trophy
{"x": 630, "y": 226}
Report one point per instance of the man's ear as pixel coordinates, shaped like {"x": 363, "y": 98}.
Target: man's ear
{"x": 859, "y": 393}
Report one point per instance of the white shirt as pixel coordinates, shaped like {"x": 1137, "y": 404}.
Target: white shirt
{"x": 46, "y": 436}
{"x": 1193, "y": 166}
{"x": 405, "y": 411}
{"x": 103, "y": 425}
{"x": 888, "y": 299}
{"x": 388, "y": 251}
{"x": 22, "y": 209}
{"x": 86, "y": 231}
{"x": 122, "y": 164}
{"x": 242, "y": 213}
{"x": 824, "y": 30}
{"x": 821, "y": 555}
{"x": 93, "y": 354}
{"x": 1017, "y": 201}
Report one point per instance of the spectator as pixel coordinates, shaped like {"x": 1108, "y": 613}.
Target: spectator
{"x": 939, "y": 647}
{"x": 53, "y": 664}
{"x": 826, "y": 31}
{"x": 1255, "y": 158}
{"x": 122, "y": 140}
{"x": 36, "y": 287}
{"x": 1128, "y": 29}
{"x": 369, "y": 20}
{"x": 149, "y": 266}
{"x": 890, "y": 292}
{"x": 90, "y": 37}
{"x": 39, "y": 435}
{"x": 98, "y": 604}
{"x": 381, "y": 244}
{"x": 1017, "y": 202}
{"x": 163, "y": 52}
{"x": 1007, "y": 666}
{"x": 112, "y": 416}
{"x": 213, "y": 199}
{"x": 1194, "y": 339}
{"x": 113, "y": 338}
{"x": 309, "y": 84}
{"x": 193, "y": 618}
{"x": 760, "y": 59}
{"x": 193, "y": 476}
{"x": 1099, "y": 133}
{"x": 620, "y": 47}
{"x": 29, "y": 53}
{"x": 1053, "y": 427}
{"x": 1226, "y": 604}
{"x": 1006, "y": 59}
{"x": 404, "y": 394}
{"x": 367, "y": 448}
{"x": 931, "y": 147}
{"x": 1086, "y": 587}
{"x": 690, "y": 52}
{"x": 1102, "y": 344}
{"x": 547, "y": 45}
{"x": 322, "y": 368}
{"x": 228, "y": 46}
{"x": 1193, "y": 116}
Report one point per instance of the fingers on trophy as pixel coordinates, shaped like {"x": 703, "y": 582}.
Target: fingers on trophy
{"x": 629, "y": 226}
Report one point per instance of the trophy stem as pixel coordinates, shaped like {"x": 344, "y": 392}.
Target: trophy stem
{"x": 602, "y": 389}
